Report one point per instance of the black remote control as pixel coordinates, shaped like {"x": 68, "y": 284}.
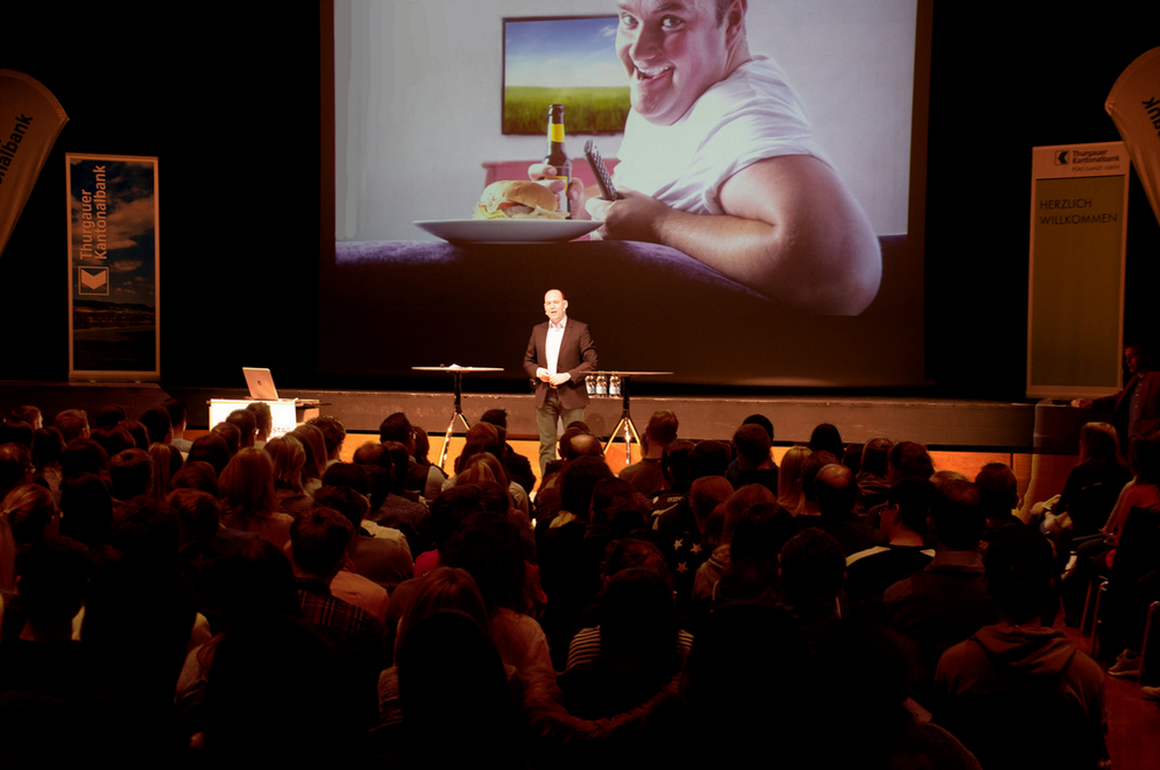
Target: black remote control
{"x": 603, "y": 178}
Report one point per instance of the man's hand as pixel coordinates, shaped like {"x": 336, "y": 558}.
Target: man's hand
{"x": 635, "y": 217}
{"x": 1081, "y": 403}
{"x": 554, "y": 379}
{"x": 544, "y": 174}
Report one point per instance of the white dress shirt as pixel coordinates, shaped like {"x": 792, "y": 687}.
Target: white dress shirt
{"x": 552, "y": 343}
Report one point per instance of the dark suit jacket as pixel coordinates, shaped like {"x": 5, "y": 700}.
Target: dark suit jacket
{"x": 1120, "y": 404}
{"x": 577, "y": 358}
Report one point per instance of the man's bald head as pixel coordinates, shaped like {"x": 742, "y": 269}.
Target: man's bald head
{"x": 584, "y": 445}
{"x": 835, "y": 490}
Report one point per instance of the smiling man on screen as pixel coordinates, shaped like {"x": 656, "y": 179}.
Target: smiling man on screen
{"x": 719, "y": 161}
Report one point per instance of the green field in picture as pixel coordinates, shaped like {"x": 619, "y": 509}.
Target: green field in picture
{"x": 586, "y": 110}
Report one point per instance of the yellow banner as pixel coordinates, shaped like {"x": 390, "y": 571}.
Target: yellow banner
{"x": 1079, "y": 207}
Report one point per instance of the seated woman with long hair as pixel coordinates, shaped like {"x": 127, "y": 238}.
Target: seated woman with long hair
{"x": 484, "y": 469}
{"x": 32, "y": 514}
{"x": 790, "y": 494}
{"x": 28, "y": 515}
{"x": 444, "y": 589}
{"x": 711, "y": 571}
{"x": 1100, "y": 473}
{"x": 289, "y": 458}
{"x": 1142, "y": 492}
{"x": 314, "y": 444}
{"x": 167, "y": 461}
{"x": 757, "y": 539}
{"x": 492, "y": 470}
{"x": 492, "y": 547}
{"x": 249, "y": 501}
{"x": 448, "y": 673}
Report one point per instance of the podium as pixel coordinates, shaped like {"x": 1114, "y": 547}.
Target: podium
{"x": 284, "y": 415}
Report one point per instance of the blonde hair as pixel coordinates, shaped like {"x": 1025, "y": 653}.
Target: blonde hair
{"x": 28, "y": 510}
{"x": 162, "y": 456}
{"x": 289, "y": 458}
{"x": 790, "y": 494}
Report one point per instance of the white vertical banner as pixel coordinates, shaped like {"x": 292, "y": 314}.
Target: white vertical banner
{"x": 30, "y": 121}
{"x": 113, "y": 270}
{"x": 1075, "y": 308}
{"x": 1134, "y": 105}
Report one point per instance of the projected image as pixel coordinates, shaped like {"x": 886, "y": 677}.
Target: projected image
{"x": 563, "y": 61}
{"x": 804, "y": 130}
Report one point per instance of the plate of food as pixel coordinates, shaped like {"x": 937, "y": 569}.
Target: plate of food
{"x": 512, "y": 212}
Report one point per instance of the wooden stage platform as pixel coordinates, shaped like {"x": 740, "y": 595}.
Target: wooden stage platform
{"x": 958, "y": 424}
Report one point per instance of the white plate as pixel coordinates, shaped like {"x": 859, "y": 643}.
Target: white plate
{"x": 508, "y": 230}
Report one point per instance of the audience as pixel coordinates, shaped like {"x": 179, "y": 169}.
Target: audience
{"x": 263, "y": 422}
{"x": 519, "y": 468}
{"x": 754, "y": 462}
{"x": 872, "y": 471}
{"x": 314, "y": 445}
{"x": 247, "y": 427}
{"x": 790, "y": 494}
{"x": 662, "y": 616}
{"x": 1017, "y": 678}
{"x": 289, "y": 460}
{"x": 646, "y": 475}
{"x": 871, "y": 571}
{"x": 837, "y": 496}
{"x": 249, "y": 501}
{"x": 319, "y": 542}
{"x": 947, "y": 601}
{"x": 178, "y": 417}
{"x": 158, "y": 425}
{"x": 333, "y": 434}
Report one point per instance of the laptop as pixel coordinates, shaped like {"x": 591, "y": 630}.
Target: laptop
{"x": 261, "y": 384}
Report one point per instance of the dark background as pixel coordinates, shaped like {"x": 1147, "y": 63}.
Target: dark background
{"x": 231, "y": 106}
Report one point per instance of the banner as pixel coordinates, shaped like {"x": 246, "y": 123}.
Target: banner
{"x": 30, "y": 121}
{"x": 1079, "y": 206}
{"x": 1134, "y": 104}
{"x": 113, "y": 268}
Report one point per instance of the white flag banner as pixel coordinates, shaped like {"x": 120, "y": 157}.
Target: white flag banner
{"x": 30, "y": 121}
{"x": 1134, "y": 104}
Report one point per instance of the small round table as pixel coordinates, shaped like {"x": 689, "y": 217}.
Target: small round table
{"x": 457, "y": 373}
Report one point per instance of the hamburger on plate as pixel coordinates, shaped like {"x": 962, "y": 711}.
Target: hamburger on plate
{"x": 518, "y": 200}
